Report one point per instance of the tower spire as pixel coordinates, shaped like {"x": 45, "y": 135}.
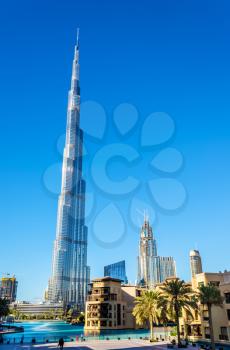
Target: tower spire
{"x": 77, "y": 45}
{"x": 76, "y": 50}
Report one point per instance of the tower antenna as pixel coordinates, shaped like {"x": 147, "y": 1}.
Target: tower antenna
{"x": 144, "y": 214}
{"x": 78, "y": 37}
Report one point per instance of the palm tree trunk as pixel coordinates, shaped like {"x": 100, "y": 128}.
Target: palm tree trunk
{"x": 151, "y": 328}
{"x": 165, "y": 331}
{"x": 211, "y": 327}
{"x": 177, "y": 324}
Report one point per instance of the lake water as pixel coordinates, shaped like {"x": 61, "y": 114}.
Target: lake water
{"x": 43, "y": 330}
{"x": 53, "y": 330}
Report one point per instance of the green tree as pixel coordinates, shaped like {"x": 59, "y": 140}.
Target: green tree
{"x": 4, "y": 307}
{"x": 15, "y": 313}
{"x": 147, "y": 308}
{"x": 164, "y": 316}
{"x": 209, "y": 295}
{"x": 68, "y": 314}
{"x": 178, "y": 296}
{"x": 81, "y": 318}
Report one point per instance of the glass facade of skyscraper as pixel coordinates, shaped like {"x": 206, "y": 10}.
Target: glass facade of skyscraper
{"x": 70, "y": 273}
{"x": 116, "y": 270}
{"x": 152, "y": 269}
{"x": 147, "y": 273}
{"x": 195, "y": 263}
{"x": 167, "y": 268}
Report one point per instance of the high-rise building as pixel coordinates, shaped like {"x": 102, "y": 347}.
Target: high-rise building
{"x": 116, "y": 270}
{"x": 195, "y": 263}
{"x": 8, "y": 288}
{"x": 70, "y": 273}
{"x": 147, "y": 253}
{"x": 166, "y": 268}
{"x": 152, "y": 268}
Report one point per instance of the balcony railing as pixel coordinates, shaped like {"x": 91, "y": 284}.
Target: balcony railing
{"x": 102, "y": 291}
{"x": 223, "y": 337}
{"x": 93, "y": 297}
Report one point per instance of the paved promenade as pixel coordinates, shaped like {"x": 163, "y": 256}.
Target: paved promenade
{"x": 93, "y": 345}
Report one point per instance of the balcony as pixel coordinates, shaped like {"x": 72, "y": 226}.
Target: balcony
{"x": 102, "y": 315}
{"x": 223, "y": 337}
{"x": 102, "y": 298}
{"x": 100, "y": 291}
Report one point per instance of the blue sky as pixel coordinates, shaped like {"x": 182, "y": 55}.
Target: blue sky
{"x": 159, "y": 56}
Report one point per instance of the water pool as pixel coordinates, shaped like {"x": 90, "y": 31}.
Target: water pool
{"x": 51, "y": 331}
{"x": 43, "y": 330}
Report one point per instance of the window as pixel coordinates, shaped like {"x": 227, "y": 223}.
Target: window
{"x": 207, "y": 332}
{"x": 223, "y": 333}
{"x": 227, "y": 298}
{"x": 228, "y": 314}
{"x": 119, "y": 314}
{"x": 223, "y": 330}
{"x": 196, "y": 315}
{"x": 215, "y": 283}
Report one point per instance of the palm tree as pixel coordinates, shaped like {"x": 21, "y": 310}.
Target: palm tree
{"x": 4, "y": 307}
{"x": 147, "y": 308}
{"x": 179, "y": 296}
{"x": 164, "y": 316}
{"x": 210, "y": 295}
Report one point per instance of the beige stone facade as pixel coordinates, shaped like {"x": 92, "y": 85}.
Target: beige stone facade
{"x": 198, "y": 327}
{"x": 109, "y": 305}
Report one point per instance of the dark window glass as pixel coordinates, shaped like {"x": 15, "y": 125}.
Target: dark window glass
{"x": 215, "y": 283}
{"x": 228, "y": 314}
{"x": 227, "y": 298}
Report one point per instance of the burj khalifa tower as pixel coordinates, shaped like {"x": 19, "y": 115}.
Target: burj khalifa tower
{"x": 70, "y": 273}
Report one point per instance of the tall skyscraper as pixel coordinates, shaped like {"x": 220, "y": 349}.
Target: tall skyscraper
{"x": 116, "y": 270}
{"x": 147, "y": 274}
{"x": 195, "y": 263}
{"x": 152, "y": 269}
{"x": 70, "y": 273}
{"x": 8, "y": 288}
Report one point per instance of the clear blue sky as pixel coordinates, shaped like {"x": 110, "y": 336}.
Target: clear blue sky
{"x": 169, "y": 56}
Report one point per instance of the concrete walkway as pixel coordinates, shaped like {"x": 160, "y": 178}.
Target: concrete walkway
{"x": 93, "y": 345}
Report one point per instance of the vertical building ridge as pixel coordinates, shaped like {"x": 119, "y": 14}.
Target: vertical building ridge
{"x": 70, "y": 273}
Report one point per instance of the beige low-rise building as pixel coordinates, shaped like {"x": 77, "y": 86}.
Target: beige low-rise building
{"x": 109, "y": 305}
{"x": 29, "y": 309}
{"x": 198, "y": 326}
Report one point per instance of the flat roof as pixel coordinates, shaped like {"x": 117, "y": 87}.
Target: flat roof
{"x": 106, "y": 278}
